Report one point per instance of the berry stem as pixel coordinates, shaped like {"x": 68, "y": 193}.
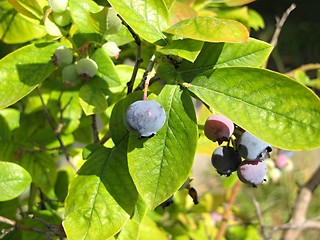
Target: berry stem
{"x": 227, "y": 209}
{"x": 146, "y": 84}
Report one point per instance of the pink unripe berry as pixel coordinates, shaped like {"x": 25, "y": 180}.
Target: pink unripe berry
{"x": 252, "y": 172}
{"x": 218, "y": 128}
{"x": 281, "y": 161}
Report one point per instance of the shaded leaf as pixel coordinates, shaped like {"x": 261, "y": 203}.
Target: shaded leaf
{"x": 161, "y": 164}
{"x": 23, "y": 69}
{"x": 102, "y": 197}
{"x": 210, "y": 29}
{"x": 13, "y": 180}
{"x": 271, "y": 106}
{"x": 213, "y": 55}
{"x": 43, "y": 170}
{"x": 186, "y": 48}
{"x": 147, "y": 18}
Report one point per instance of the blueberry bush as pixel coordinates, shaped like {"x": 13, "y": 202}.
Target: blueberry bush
{"x": 99, "y": 113}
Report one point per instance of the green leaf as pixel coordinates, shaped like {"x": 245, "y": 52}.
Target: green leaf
{"x": 42, "y": 168}
{"x": 81, "y": 16}
{"x": 22, "y": 70}
{"x": 12, "y": 117}
{"x": 107, "y": 71}
{"x": 92, "y": 98}
{"x": 147, "y": 18}
{"x": 210, "y": 29}
{"x": 161, "y": 164}
{"x": 180, "y": 11}
{"x": 31, "y": 9}
{"x": 13, "y": 180}
{"x": 102, "y": 197}
{"x": 186, "y": 48}
{"x": 213, "y": 55}
{"x": 271, "y": 106}
{"x": 15, "y": 28}
{"x": 132, "y": 228}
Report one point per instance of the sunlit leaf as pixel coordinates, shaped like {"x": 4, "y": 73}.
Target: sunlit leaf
{"x": 13, "y": 180}
{"x": 271, "y": 106}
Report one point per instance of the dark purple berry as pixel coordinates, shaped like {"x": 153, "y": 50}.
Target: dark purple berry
{"x": 225, "y": 160}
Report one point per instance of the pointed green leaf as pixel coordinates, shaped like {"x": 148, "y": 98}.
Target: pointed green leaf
{"x": 102, "y": 197}
{"x": 80, "y": 13}
{"x": 271, "y": 106}
{"x": 210, "y": 29}
{"x": 107, "y": 71}
{"x": 132, "y": 227}
{"x": 13, "y": 180}
{"x": 186, "y": 48}
{"x": 15, "y": 28}
{"x": 213, "y": 55}
{"x": 147, "y": 18}
{"x": 92, "y": 98}
{"x": 22, "y": 70}
{"x": 43, "y": 169}
{"x": 161, "y": 164}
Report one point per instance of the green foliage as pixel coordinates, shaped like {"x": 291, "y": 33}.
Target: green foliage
{"x": 67, "y": 143}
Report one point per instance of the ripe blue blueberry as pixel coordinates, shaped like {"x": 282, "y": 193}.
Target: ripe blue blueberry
{"x": 218, "y": 128}
{"x": 225, "y": 160}
{"x": 252, "y": 172}
{"x": 251, "y": 147}
{"x": 145, "y": 117}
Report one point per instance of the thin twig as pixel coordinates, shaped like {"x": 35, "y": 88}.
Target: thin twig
{"x": 279, "y": 25}
{"x": 227, "y": 209}
{"x": 306, "y": 67}
{"x": 299, "y": 211}
{"x": 55, "y": 130}
{"x": 95, "y": 128}
{"x": 54, "y": 229}
{"x": 146, "y": 73}
{"x": 138, "y": 61}
{"x": 105, "y": 138}
{"x": 260, "y": 219}
{"x": 146, "y": 84}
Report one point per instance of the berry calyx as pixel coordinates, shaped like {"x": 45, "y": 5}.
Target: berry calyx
{"x": 225, "y": 160}
{"x": 58, "y": 6}
{"x": 218, "y": 128}
{"x": 62, "y": 56}
{"x": 145, "y": 117}
{"x": 87, "y": 68}
{"x": 252, "y": 172}
{"x": 251, "y": 147}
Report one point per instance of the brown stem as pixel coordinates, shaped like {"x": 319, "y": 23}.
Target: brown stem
{"x": 227, "y": 209}
{"x": 94, "y": 128}
{"x": 138, "y": 57}
{"x": 55, "y": 130}
{"x": 279, "y": 25}
{"x": 298, "y": 214}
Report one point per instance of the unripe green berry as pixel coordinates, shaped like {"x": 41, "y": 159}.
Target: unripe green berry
{"x": 70, "y": 75}
{"x": 87, "y": 68}
{"x": 62, "y": 19}
{"x": 62, "y": 56}
{"x": 111, "y": 49}
{"x": 58, "y": 6}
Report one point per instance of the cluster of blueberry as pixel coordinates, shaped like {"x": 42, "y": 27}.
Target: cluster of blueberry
{"x": 226, "y": 159}
{"x": 85, "y": 68}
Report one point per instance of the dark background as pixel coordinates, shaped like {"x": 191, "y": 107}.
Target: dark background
{"x": 299, "y": 40}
